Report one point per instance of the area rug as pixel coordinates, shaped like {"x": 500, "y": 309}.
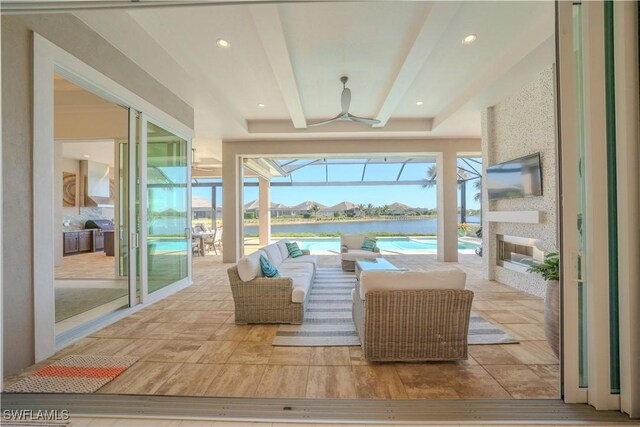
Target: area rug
{"x": 74, "y": 374}
{"x": 482, "y": 331}
{"x": 328, "y": 322}
{"x": 327, "y": 319}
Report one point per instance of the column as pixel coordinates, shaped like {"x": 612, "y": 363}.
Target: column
{"x": 447, "y": 187}
{"x": 232, "y": 243}
{"x": 264, "y": 206}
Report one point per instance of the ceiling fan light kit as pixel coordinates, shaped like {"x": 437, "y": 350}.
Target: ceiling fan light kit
{"x": 345, "y": 116}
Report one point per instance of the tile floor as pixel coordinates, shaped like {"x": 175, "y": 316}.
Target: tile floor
{"x": 187, "y": 344}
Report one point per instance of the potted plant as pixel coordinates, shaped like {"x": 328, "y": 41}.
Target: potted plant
{"x": 463, "y": 229}
{"x": 549, "y": 269}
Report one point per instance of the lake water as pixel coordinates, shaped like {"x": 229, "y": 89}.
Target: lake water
{"x": 410, "y": 226}
{"x": 384, "y": 243}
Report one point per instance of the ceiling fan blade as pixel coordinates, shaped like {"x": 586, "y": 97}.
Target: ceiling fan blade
{"x": 363, "y": 120}
{"x": 345, "y": 99}
{"x": 324, "y": 122}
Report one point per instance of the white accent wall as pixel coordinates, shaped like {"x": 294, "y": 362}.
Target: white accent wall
{"x": 522, "y": 124}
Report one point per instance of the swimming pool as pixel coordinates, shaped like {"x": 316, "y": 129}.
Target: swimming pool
{"x": 384, "y": 243}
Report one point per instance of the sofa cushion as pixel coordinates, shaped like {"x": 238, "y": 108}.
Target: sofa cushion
{"x": 288, "y": 268}
{"x": 301, "y": 286}
{"x": 268, "y": 269}
{"x": 249, "y": 266}
{"x": 311, "y": 259}
{"x": 411, "y": 280}
{"x": 354, "y": 254}
{"x": 282, "y": 246}
{"x": 294, "y": 250}
{"x": 352, "y": 241}
{"x": 273, "y": 253}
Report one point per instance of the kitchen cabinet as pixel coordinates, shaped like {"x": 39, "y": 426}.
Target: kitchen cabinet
{"x": 79, "y": 241}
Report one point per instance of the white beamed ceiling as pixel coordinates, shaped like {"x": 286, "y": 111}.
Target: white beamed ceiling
{"x": 395, "y": 53}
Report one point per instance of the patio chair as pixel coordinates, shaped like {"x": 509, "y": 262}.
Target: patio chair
{"x": 217, "y": 240}
{"x": 410, "y": 316}
{"x": 351, "y": 250}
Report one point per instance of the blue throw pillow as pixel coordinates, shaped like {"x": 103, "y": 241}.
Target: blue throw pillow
{"x": 268, "y": 269}
{"x": 294, "y": 250}
{"x": 369, "y": 244}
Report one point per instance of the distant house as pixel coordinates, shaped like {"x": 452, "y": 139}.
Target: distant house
{"x": 277, "y": 209}
{"x": 201, "y": 208}
{"x": 397, "y": 208}
{"x": 306, "y": 207}
{"x": 346, "y": 207}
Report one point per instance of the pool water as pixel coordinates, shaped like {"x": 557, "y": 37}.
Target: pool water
{"x": 385, "y": 244}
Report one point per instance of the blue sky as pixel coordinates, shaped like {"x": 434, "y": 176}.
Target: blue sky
{"x": 412, "y": 195}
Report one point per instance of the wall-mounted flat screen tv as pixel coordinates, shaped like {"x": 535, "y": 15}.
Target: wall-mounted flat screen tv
{"x": 515, "y": 179}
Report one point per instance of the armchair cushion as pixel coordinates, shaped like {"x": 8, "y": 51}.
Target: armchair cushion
{"x": 368, "y": 244}
{"x": 249, "y": 266}
{"x": 352, "y": 241}
{"x": 411, "y": 280}
{"x": 355, "y": 254}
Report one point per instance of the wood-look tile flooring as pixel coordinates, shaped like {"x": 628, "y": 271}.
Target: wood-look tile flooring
{"x": 90, "y": 265}
{"x": 187, "y": 344}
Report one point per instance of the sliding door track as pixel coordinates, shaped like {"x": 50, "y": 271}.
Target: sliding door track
{"x": 314, "y": 410}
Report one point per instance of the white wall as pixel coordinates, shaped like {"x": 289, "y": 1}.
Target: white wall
{"x": 522, "y": 124}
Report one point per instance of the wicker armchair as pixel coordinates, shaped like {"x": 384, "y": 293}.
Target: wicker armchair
{"x": 264, "y": 300}
{"x": 413, "y": 325}
{"x": 350, "y": 251}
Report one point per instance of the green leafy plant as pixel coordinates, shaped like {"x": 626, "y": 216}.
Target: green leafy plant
{"x": 463, "y": 226}
{"x": 549, "y": 269}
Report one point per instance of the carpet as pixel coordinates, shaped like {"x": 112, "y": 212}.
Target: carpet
{"x": 484, "y": 332}
{"x": 73, "y": 301}
{"x": 74, "y": 374}
{"x": 327, "y": 318}
{"x": 328, "y": 322}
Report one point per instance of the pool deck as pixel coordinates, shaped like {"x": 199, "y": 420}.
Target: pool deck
{"x": 251, "y": 244}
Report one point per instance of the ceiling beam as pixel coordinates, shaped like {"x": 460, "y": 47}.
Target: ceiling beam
{"x": 530, "y": 39}
{"x": 435, "y": 24}
{"x": 394, "y": 125}
{"x": 267, "y": 21}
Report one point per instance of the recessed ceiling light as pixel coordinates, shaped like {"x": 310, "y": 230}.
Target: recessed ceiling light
{"x": 261, "y": 105}
{"x": 223, "y": 43}
{"x": 86, "y": 156}
{"x": 469, "y": 39}
{"x": 419, "y": 103}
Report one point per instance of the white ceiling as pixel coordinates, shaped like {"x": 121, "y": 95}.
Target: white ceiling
{"x": 100, "y": 151}
{"x": 291, "y": 56}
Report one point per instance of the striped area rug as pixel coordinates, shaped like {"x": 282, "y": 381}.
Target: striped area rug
{"x": 327, "y": 320}
{"x": 74, "y": 374}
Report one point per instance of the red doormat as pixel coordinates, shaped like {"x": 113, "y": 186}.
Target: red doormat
{"x": 74, "y": 374}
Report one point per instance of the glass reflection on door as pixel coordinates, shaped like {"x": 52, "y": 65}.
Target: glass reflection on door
{"x": 168, "y": 221}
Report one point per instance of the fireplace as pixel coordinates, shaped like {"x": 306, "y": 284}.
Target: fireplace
{"x": 518, "y": 253}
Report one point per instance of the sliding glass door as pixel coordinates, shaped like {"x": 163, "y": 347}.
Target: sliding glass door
{"x": 168, "y": 216}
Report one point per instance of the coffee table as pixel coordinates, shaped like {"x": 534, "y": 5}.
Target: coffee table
{"x": 374, "y": 264}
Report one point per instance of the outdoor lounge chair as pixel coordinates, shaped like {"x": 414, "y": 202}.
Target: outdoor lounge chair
{"x": 351, "y": 250}
{"x": 410, "y": 316}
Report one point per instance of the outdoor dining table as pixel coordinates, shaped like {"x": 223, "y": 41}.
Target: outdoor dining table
{"x": 201, "y": 238}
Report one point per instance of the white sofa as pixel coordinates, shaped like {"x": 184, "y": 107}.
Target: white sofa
{"x": 260, "y": 299}
{"x": 412, "y": 315}
{"x": 350, "y": 251}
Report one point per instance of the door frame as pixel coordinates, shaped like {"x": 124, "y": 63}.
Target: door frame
{"x": 50, "y": 59}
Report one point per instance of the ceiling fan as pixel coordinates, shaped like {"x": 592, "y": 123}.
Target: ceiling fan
{"x": 344, "y": 115}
